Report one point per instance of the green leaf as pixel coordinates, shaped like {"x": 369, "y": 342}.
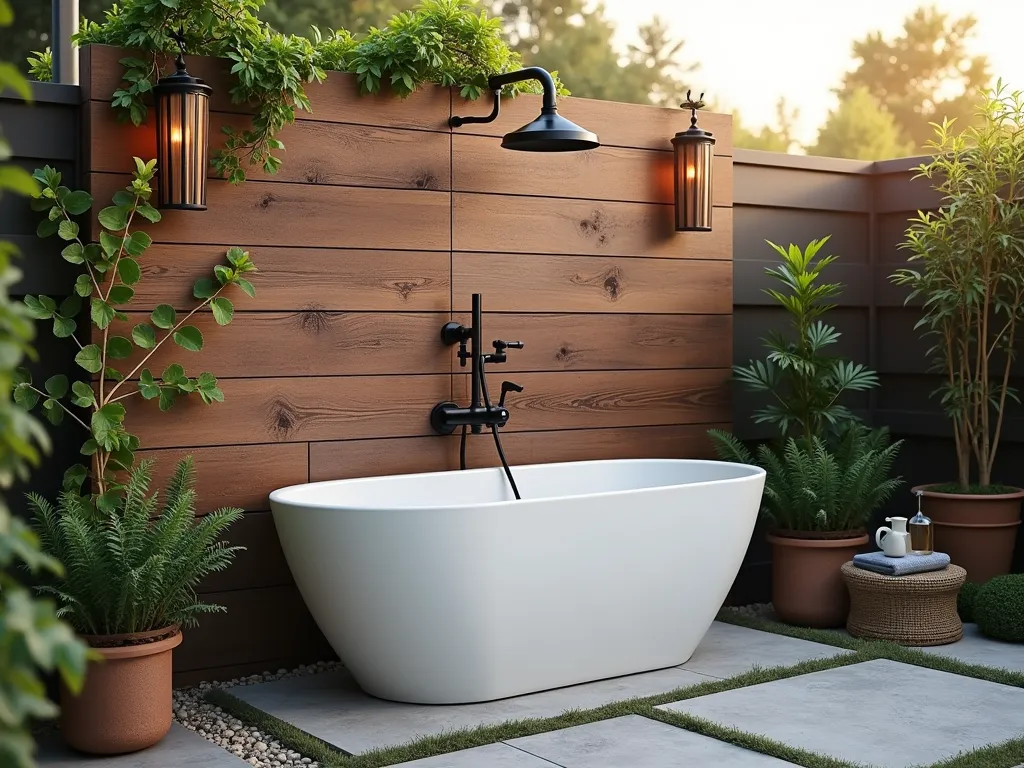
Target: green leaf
{"x": 163, "y": 316}
{"x": 144, "y": 336}
{"x": 38, "y": 309}
{"x": 204, "y": 288}
{"x": 137, "y": 243}
{"x": 237, "y": 257}
{"x": 222, "y": 310}
{"x": 63, "y": 327}
{"x": 246, "y": 287}
{"x": 82, "y": 394}
{"x": 118, "y": 347}
{"x": 167, "y": 397}
{"x": 90, "y": 358}
{"x": 102, "y": 313}
{"x": 114, "y": 218}
{"x": 173, "y": 374}
{"x": 83, "y": 285}
{"x": 46, "y": 228}
{"x": 71, "y": 306}
{"x": 22, "y": 375}
{"x": 149, "y": 213}
{"x": 53, "y": 412}
{"x": 121, "y": 294}
{"x": 75, "y": 477}
{"x": 56, "y": 386}
{"x": 25, "y": 396}
{"x": 105, "y": 422}
{"x": 78, "y": 202}
{"x": 89, "y": 447}
{"x": 73, "y": 252}
{"x": 223, "y": 274}
{"x": 128, "y": 270}
{"x": 109, "y": 502}
{"x": 189, "y": 337}
{"x": 110, "y": 244}
{"x": 148, "y": 387}
{"x": 67, "y": 230}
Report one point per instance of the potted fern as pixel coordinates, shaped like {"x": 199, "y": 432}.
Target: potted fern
{"x": 128, "y": 587}
{"x": 966, "y": 265}
{"x": 826, "y": 472}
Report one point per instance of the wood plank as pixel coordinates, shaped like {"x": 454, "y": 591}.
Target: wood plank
{"x": 623, "y": 125}
{"x": 259, "y": 624}
{"x": 233, "y": 475}
{"x": 528, "y": 283}
{"x": 306, "y": 343}
{"x": 260, "y": 564}
{"x": 539, "y": 225}
{"x": 578, "y": 400}
{"x": 335, "y": 100}
{"x": 606, "y": 173}
{"x": 324, "y": 279}
{"x": 358, "y": 155}
{"x": 276, "y": 213}
{"x": 395, "y": 456}
{"x": 294, "y": 410}
{"x": 609, "y": 342}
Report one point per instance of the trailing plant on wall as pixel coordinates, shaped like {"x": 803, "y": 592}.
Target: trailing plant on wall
{"x": 111, "y": 272}
{"x": 803, "y": 381}
{"x": 967, "y": 264}
{"x": 447, "y": 42}
{"x": 32, "y": 640}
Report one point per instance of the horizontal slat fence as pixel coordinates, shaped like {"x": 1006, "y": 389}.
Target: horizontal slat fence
{"x": 379, "y": 227}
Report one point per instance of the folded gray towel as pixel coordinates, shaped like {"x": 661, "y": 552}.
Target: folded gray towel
{"x": 901, "y": 566}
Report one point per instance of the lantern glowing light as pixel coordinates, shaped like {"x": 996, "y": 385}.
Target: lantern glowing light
{"x": 694, "y": 163}
{"x": 182, "y": 137}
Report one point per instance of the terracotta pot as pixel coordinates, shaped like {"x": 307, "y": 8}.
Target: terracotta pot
{"x": 807, "y": 585}
{"x": 977, "y": 532}
{"x": 125, "y": 705}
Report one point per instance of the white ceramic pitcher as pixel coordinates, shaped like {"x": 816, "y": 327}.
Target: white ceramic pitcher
{"x": 895, "y": 541}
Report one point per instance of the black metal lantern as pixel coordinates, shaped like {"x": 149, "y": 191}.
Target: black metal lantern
{"x": 182, "y": 137}
{"x": 694, "y": 162}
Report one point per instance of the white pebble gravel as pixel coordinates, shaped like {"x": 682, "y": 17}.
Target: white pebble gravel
{"x": 757, "y": 610}
{"x": 259, "y": 750}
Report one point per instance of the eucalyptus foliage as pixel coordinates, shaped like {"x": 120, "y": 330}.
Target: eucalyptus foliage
{"x": 803, "y": 381}
{"x": 967, "y": 266}
{"x": 32, "y": 640}
{"x": 447, "y": 42}
{"x": 111, "y": 270}
{"x": 135, "y": 569}
{"x": 819, "y": 485}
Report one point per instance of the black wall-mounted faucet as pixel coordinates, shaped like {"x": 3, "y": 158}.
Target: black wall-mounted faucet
{"x": 446, "y": 416}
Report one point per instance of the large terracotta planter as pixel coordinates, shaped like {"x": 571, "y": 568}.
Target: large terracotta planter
{"x": 977, "y": 532}
{"x": 125, "y": 705}
{"x": 807, "y": 584}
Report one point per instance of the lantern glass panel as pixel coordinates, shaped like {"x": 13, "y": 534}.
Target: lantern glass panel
{"x": 693, "y": 184}
{"x": 182, "y": 148}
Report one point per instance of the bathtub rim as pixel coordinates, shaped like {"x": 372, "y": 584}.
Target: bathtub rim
{"x": 276, "y": 496}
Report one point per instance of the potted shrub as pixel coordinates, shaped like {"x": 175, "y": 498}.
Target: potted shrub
{"x": 826, "y": 473}
{"x": 967, "y": 267}
{"x": 128, "y": 588}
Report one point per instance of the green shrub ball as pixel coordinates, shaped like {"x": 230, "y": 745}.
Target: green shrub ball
{"x": 999, "y": 608}
{"x": 965, "y": 601}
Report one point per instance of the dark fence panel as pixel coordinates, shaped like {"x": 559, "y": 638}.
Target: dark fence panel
{"x": 44, "y": 132}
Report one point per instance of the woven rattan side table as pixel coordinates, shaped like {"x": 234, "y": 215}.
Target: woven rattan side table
{"x": 919, "y": 609}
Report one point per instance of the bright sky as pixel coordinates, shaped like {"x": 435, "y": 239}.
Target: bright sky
{"x": 753, "y": 51}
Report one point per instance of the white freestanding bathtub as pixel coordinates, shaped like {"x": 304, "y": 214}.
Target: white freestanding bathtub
{"x": 441, "y": 588}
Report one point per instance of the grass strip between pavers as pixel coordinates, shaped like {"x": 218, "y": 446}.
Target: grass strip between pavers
{"x": 1005, "y": 755}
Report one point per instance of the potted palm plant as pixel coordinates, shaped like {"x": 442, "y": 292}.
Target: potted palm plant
{"x": 128, "y": 588}
{"x": 967, "y": 267}
{"x": 826, "y": 473}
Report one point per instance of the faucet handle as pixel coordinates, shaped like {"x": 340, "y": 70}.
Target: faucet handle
{"x": 500, "y": 345}
{"x": 506, "y": 387}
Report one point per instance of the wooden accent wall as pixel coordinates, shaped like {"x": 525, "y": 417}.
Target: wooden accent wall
{"x": 380, "y": 225}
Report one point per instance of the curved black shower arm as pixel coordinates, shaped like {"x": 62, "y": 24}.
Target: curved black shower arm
{"x": 497, "y": 82}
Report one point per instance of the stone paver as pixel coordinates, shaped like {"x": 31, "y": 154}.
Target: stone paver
{"x": 854, "y": 712}
{"x": 728, "y": 650}
{"x": 333, "y": 708}
{"x": 638, "y": 742}
{"x": 975, "y": 648}
{"x": 180, "y": 748}
{"x": 491, "y": 756}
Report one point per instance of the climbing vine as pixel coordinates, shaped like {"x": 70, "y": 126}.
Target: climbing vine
{"x": 446, "y": 42}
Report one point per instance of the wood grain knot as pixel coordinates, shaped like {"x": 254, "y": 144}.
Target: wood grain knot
{"x": 282, "y": 418}
{"x": 611, "y": 286}
{"x": 566, "y": 354}
{"x": 405, "y": 289}
{"x": 265, "y": 200}
{"x": 594, "y": 227}
{"x": 314, "y": 174}
{"x": 425, "y": 180}
{"x": 610, "y": 281}
{"x": 314, "y": 320}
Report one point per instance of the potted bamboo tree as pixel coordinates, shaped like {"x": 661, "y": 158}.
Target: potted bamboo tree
{"x": 967, "y": 267}
{"x": 826, "y": 472}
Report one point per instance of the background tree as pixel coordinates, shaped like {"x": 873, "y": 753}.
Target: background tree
{"x": 294, "y": 17}
{"x": 912, "y": 74}
{"x": 766, "y": 138}
{"x": 862, "y": 129}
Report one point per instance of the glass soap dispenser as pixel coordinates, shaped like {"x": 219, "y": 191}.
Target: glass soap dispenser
{"x": 920, "y": 531}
